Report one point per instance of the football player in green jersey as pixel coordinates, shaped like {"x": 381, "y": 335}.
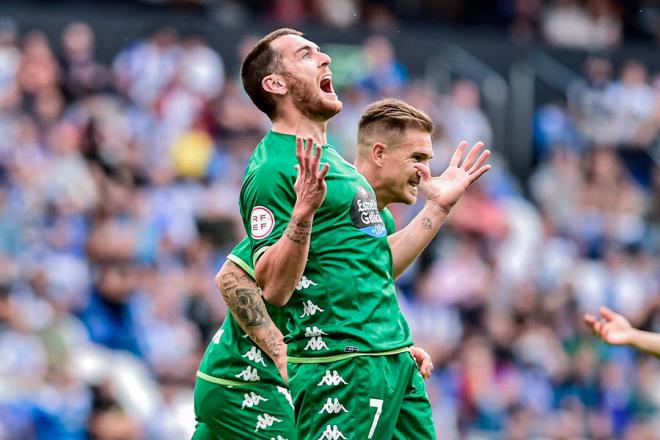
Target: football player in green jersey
{"x": 239, "y": 388}
{"x": 350, "y": 371}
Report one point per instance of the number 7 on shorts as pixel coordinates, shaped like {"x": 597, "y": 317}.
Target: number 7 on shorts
{"x": 378, "y": 404}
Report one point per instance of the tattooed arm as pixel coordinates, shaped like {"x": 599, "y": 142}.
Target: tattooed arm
{"x": 441, "y": 193}
{"x": 280, "y": 267}
{"x": 244, "y": 301}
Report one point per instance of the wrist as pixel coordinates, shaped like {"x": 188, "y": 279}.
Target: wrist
{"x": 302, "y": 213}
{"x": 437, "y": 209}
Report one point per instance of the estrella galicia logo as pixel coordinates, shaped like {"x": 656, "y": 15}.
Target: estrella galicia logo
{"x": 365, "y": 215}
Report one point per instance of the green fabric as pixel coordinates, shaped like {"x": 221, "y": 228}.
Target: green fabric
{"x": 231, "y": 354}
{"x": 388, "y": 219}
{"x": 346, "y": 301}
{"x": 343, "y": 398}
{"x": 258, "y": 411}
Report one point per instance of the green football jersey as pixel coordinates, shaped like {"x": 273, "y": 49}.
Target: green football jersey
{"x": 345, "y": 303}
{"x": 232, "y": 356}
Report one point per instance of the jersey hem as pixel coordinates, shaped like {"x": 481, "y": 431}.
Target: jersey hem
{"x": 341, "y": 357}
{"x": 219, "y": 381}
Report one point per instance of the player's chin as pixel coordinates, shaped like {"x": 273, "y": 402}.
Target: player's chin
{"x": 408, "y": 195}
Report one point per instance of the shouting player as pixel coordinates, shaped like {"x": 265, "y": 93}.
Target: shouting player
{"x": 350, "y": 372}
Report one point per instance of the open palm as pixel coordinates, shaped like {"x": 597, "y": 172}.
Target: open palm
{"x": 612, "y": 328}
{"x": 449, "y": 187}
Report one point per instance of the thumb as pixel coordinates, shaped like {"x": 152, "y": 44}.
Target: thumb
{"x": 423, "y": 170}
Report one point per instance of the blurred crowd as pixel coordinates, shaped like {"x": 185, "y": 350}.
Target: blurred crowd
{"x": 119, "y": 189}
{"x": 593, "y": 24}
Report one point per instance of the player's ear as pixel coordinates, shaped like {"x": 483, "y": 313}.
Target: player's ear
{"x": 274, "y": 84}
{"x": 378, "y": 152}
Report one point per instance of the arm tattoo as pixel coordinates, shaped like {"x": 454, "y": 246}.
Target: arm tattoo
{"x": 271, "y": 343}
{"x": 250, "y": 307}
{"x": 297, "y": 231}
{"x": 242, "y": 296}
{"x": 426, "y": 223}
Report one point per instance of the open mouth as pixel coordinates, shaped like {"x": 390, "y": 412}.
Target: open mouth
{"x": 413, "y": 187}
{"x": 326, "y": 85}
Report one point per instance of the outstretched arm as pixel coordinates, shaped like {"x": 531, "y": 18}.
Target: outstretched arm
{"x": 441, "y": 193}
{"x": 244, "y": 301}
{"x": 281, "y": 266}
{"x": 614, "y": 329}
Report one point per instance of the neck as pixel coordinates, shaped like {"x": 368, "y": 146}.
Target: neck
{"x": 293, "y": 122}
{"x": 371, "y": 174}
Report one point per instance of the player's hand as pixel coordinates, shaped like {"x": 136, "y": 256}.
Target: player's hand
{"x": 282, "y": 365}
{"x": 449, "y": 187}
{"x": 423, "y": 360}
{"x": 612, "y": 328}
{"x": 310, "y": 185}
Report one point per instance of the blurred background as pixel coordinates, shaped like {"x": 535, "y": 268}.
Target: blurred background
{"x": 124, "y": 134}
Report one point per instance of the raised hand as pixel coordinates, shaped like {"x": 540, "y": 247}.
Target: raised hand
{"x": 310, "y": 184}
{"x": 612, "y": 328}
{"x": 449, "y": 187}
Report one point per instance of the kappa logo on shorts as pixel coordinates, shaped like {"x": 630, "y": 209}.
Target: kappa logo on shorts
{"x": 310, "y": 309}
{"x": 252, "y": 399}
{"x": 286, "y": 394}
{"x": 265, "y": 421}
{"x": 332, "y": 378}
{"x": 249, "y": 375}
{"x": 262, "y": 222}
{"x": 304, "y": 283}
{"x": 255, "y": 355}
{"x": 315, "y": 342}
{"x": 332, "y": 432}
{"x": 333, "y": 407}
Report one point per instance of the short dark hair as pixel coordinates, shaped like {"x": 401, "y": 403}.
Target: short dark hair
{"x": 259, "y": 63}
{"x": 391, "y": 115}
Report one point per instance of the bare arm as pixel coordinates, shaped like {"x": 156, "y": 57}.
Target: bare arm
{"x": 244, "y": 301}
{"x": 614, "y": 329}
{"x": 281, "y": 266}
{"x": 441, "y": 193}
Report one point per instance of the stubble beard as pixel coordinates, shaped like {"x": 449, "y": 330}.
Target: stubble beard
{"x": 308, "y": 101}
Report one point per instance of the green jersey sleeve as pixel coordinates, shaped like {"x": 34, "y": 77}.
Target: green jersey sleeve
{"x": 241, "y": 256}
{"x": 388, "y": 219}
{"x": 267, "y": 199}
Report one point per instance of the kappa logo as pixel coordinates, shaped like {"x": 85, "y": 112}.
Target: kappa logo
{"x": 315, "y": 342}
{"x": 262, "y": 222}
{"x": 333, "y": 407}
{"x": 332, "y": 433}
{"x": 304, "y": 283}
{"x": 252, "y": 399}
{"x": 331, "y": 378}
{"x": 255, "y": 355}
{"x": 314, "y": 331}
{"x": 265, "y": 421}
{"x": 286, "y": 394}
{"x": 249, "y": 375}
{"x": 217, "y": 336}
{"x": 310, "y": 309}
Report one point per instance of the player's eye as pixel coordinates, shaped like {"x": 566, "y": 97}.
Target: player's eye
{"x": 307, "y": 55}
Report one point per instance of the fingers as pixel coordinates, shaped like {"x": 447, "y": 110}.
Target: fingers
{"x": 589, "y": 319}
{"x": 479, "y": 163}
{"x": 472, "y": 155}
{"x": 458, "y": 154}
{"x": 324, "y": 171}
{"x": 607, "y": 313}
{"x": 480, "y": 172}
{"x": 424, "y": 170}
{"x": 426, "y": 368}
{"x": 299, "y": 152}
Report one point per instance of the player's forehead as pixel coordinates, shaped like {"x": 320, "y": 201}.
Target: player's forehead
{"x": 416, "y": 141}
{"x": 290, "y": 44}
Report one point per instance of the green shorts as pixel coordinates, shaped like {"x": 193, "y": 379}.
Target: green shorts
{"x": 364, "y": 397}
{"x": 244, "y": 411}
